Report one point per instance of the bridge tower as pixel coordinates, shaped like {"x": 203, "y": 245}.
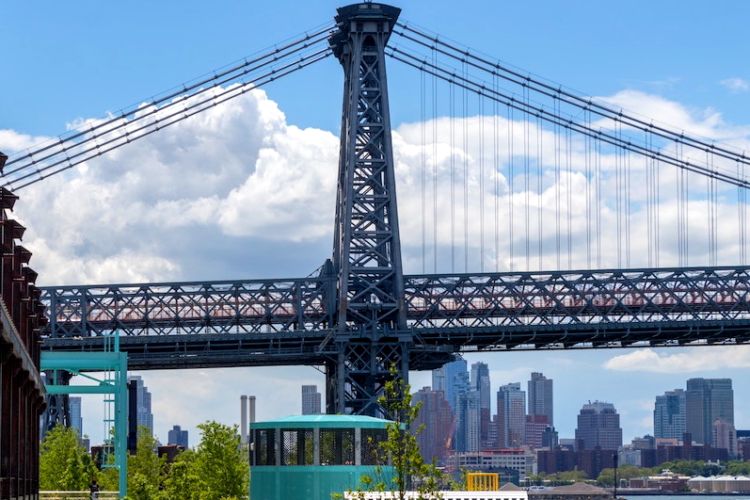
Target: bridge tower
{"x": 370, "y": 316}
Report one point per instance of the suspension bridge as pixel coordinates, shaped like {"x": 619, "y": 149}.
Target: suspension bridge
{"x": 591, "y": 227}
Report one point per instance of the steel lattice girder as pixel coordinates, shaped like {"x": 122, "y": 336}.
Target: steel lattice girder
{"x": 250, "y": 306}
{"x": 555, "y": 310}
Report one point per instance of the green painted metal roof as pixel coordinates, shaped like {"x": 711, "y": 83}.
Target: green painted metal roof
{"x": 322, "y": 421}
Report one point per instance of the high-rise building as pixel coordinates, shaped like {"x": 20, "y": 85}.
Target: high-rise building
{"x": 598, "y": 425}
{"x": 724, "y": 436}
{"x": 451, "y": 378}
{"x": 550, "y": 438}
{"x": 535, "y": 427}
{"x": 76, "y": 420}
{"x": 310, "y": 400}
{"x": 178, "y": 436}
{"x": 437, "y": 417}
{"x": 468, "y": 426}
{"x": 480, "y": 381}
{"x": 144, "y": 417}
{"x": 540, "y": 397}
{"x": 670, "y": 415}
{"x": 511, "y": 415}
{"x": 705, "y": 401}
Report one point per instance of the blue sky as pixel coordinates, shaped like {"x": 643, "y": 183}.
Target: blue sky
{"x": 63, "y": 61}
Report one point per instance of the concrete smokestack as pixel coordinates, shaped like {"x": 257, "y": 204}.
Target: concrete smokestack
{"x": 243, "y": 419}
{"x": 252, "y": 409}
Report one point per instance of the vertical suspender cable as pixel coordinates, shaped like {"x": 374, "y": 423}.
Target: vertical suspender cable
{"x": 618, "y": 196}
{"x": 649, "y": 205}
{"x": 657, "y": 211}
{"x": 526, "y": 188}
{"x": 452, "y": 118}
{"x": 558, "y": 182}
{"x": 481, "y": 183}
{"x": 434, "y": 165}
{"x": 628, "y": 166}
{"x": 569, "y": 189}
{"x": 423, "y": 168}
{"x": 511, "y": 140}
{"x": 598, "y": 166}
{"x": 539, "y": 173}
{"x": 587, "y": 161}
{"x": 496, "y": 175}
{"x": 466, "y": 169}
{"x": 741, "y": 207}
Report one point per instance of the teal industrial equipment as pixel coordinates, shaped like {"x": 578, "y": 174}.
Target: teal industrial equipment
{"x": 115, "y": 364}
{"x": 313, "y": 456}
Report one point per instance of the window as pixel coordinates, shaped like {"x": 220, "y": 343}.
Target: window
{"x": 297, "y": 447}
{"x": 371, "y": 439}
{"x": 265, "y": 453}
{"x": 337, "y": 447}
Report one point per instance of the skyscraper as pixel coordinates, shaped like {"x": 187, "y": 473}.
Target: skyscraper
{"x": 468, "y": 428}
{"x": 439, "y": 423}
{"x": 705, "y": 401}
{"x": 669, "y": 415}
{"x": 535, "y": 427}
{"x": 451, "y": 378}
{"x": 178, "y": 436}
{"x": 511, "y": 415}
{"x": 599, "y": 425}
{"x": 310, "y": 400}
{"x": 725, "y": 436}
{"x": 76, "y": 420}
{"x": 144, "y": 417}
{"x": 540, "y": 397}
{"x": 480, "y": 381}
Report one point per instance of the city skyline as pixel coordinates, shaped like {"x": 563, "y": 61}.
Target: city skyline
{"x": 92, "y": 405}
{"x": 691, "y": 96}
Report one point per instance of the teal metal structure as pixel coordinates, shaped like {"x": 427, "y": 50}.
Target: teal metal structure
{"x": 312, "y": 457}
{"x": 116, "y": 362}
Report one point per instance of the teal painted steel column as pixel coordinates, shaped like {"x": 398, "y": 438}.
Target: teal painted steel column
{"x": 117, "y": 362}
{"x": 121, "y": 417}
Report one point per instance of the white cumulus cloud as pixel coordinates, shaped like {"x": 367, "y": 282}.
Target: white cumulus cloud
{"x": 697, "y": 359}
{"x": 736, "y": 84}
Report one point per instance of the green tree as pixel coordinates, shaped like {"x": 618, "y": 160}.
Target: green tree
{"x": 690, "y": 468}
{"x": 182, "y": 480}
{"x": 738, "y": 468}
{"x": 607, "y": 476}
{"x": 567, "y": 477}
{"x": 63, "y": 463}
{"x": 145, "y": 468}
{"x": 219, "y": 465}
{"x": 401, "y": 447}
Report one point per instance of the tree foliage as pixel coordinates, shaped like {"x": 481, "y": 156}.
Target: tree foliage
{"x": 63, "y": 463}
{"x": 146, "y": 471}
{"x": 738, "y": 468}
{"x": 216, "y": 470}
{"x": 607, "y": 476}
{"x": 219, "y": 464}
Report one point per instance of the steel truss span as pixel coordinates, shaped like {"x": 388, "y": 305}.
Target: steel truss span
{"x": 278, "y": 322}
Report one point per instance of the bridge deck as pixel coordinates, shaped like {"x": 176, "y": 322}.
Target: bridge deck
{"x": 279, "y": 322}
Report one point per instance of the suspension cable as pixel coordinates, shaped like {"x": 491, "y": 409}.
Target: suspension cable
{"x": 586, "y": 103}
{"x": 567, "y": 122}
{"x": 66, "y": 143}
{"x": 71, "y": 161}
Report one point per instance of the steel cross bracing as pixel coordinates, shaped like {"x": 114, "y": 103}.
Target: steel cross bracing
{"x": 251, "y": 323}
{"x": 366, "y": 250}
